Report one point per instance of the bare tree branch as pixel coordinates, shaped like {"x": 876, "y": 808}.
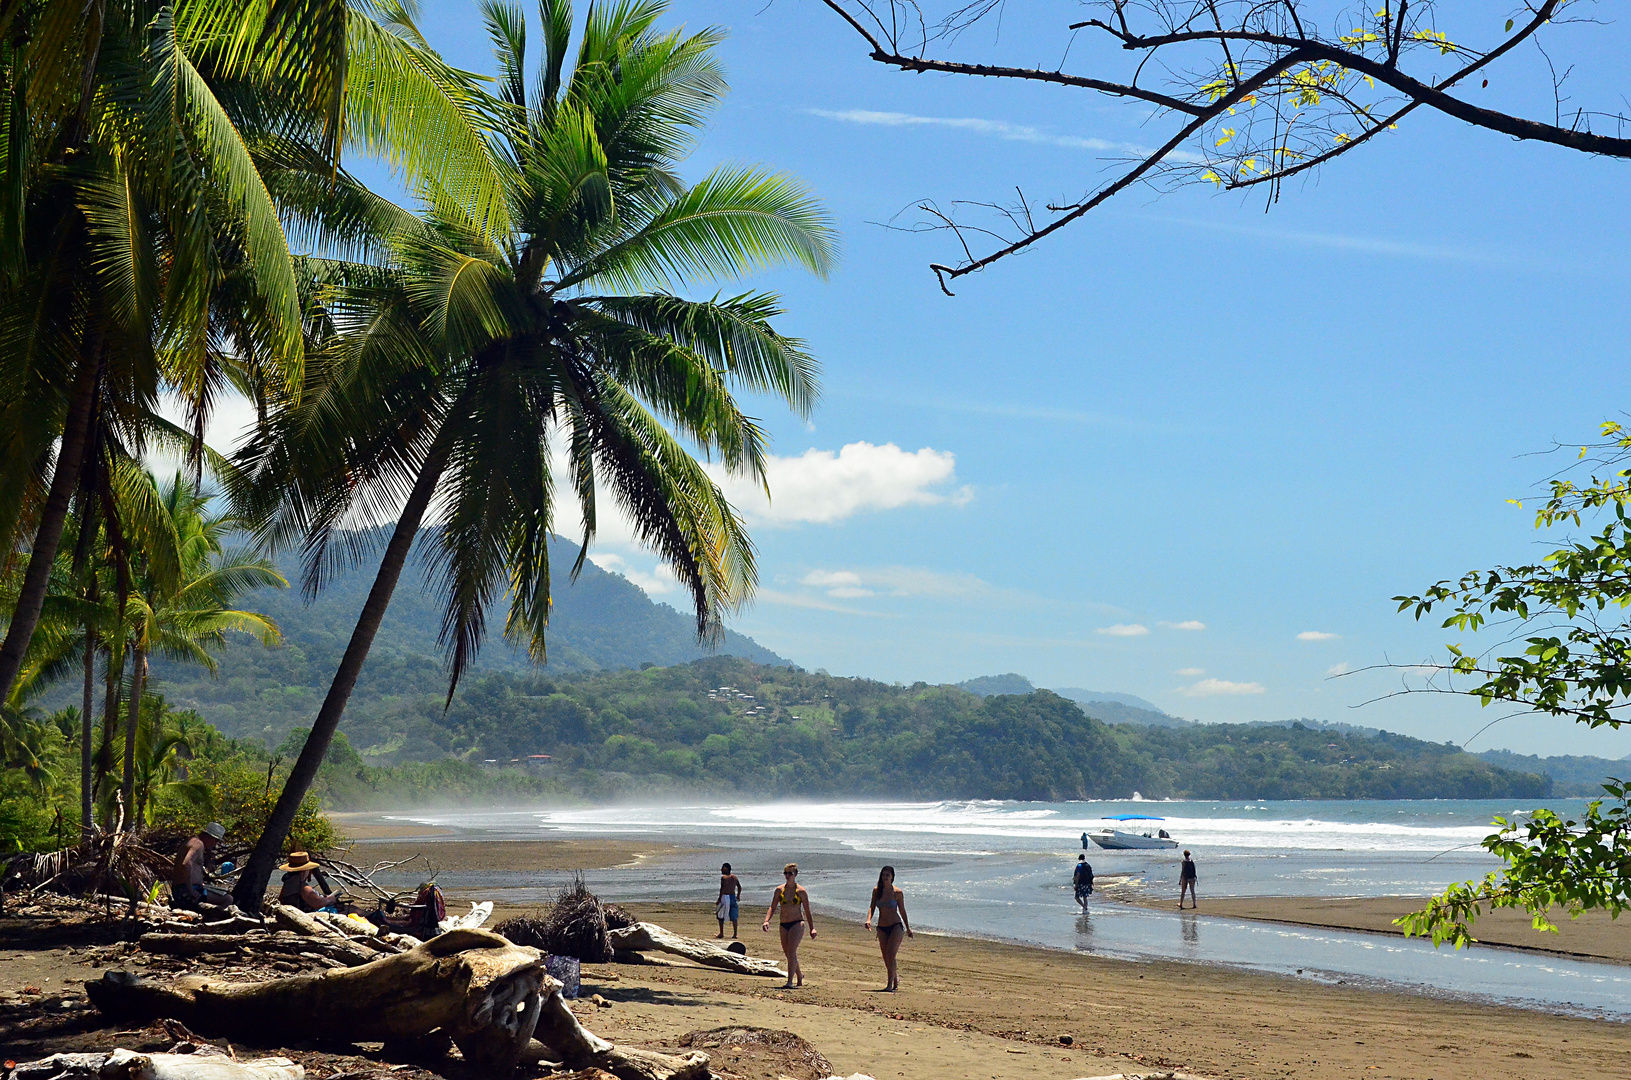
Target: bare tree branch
{"x": 1240, "y": 92}
{"x": 1276, "y": 98}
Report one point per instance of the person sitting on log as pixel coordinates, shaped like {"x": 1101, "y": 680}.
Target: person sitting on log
{"x": 187, "y": 879}
{"x": 297, "y": 890}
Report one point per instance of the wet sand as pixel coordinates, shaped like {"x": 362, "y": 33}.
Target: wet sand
{"x": 980, "y": 1010}
{"x": 462, "y": 856}
{"x": 1593, "y": 936}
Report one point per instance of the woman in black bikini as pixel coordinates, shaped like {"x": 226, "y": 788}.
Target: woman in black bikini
{"x": 794, "y": 903}
{"x": 890, "y": 903}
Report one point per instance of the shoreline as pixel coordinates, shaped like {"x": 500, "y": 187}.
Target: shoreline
{"x": 1592, "y": 938}
{"x": 974, "y": 1008}
{"x": 977, "y": 1008}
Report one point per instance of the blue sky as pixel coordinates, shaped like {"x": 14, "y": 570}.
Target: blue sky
{"x": 1186, "y": 449}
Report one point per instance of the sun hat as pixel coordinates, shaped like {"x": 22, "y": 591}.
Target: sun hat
{"x": 215, "y": 829}
{"x": 298, "y": 860}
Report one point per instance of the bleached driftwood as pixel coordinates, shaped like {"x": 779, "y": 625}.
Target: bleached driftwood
{"x": 477, "y": 987}
{"x": 559, "y": 1037}
{"x": 128, "y": 1065}
{"x": 647, "y": 937}
{"x": 349, "y": 953}
{"x": 298, "y": 922}
{"x": 488, "y": 995}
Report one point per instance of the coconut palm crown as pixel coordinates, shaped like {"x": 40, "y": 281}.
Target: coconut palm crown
{"x": 494, "y": 356}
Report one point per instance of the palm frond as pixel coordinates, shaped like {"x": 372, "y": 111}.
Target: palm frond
{"x": 733, "y": 222}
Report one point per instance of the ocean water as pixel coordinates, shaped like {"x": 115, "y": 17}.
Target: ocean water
{"x": 1002, "y": 870}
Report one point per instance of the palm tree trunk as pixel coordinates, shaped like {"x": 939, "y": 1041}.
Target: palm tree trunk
{"x": 88, "y": 699}
{"x": 70, "y": 462}
{"x": 112, "y": 682}
{"x": 127, "y": 789}
{"x": 252, "y": 881}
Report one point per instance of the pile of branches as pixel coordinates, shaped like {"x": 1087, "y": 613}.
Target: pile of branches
{"x": 618, "y": 917}
{"x": 575, "y": 926}
{"x": 122, "y": 864}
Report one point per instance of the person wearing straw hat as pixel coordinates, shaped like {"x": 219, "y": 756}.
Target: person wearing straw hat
{"x": 297, "y": 890}
{"x": 187, "y": 878}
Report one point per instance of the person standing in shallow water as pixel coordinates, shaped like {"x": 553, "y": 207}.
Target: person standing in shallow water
{"x": 1082, "y": 879}
{"x": 794, "y": 903}
{"x": 1186, "y": 882}
{"x": 730, "y": 897}
{"x": 890, "y": 904}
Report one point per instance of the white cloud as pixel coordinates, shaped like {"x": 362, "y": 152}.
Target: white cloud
{"x": 1338, "y": 669}
{"x": 1220, "y": 688}
{"x": 1187, "y": 624}
{"x": 816, "y": 603}
{"x": 999, "y": 129}
{"x": 1317, "y": 635}
{"x": 1190, "y": 672}
{"x": 1124, "y": 630}
{"x": 822, "y": 487}
{"x": 901, "y": 581}
{"x": 660, "y": 580}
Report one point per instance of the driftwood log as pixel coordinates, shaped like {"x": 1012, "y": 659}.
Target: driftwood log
{"x": 489, "y": 996}
{"x": 349, "y": 953}
{"x": 559, "y": 1037}
{"x": 128, "y": 1065}
{"x": 478, "y": 988}
{"x": 649, "y": 937}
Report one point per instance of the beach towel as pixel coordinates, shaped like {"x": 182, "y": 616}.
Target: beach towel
{"x": 723, "y": 911}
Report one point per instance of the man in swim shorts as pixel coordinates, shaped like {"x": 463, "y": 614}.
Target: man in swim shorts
{"x": 1083, "y": 880}
{"x": 730, "y": 896}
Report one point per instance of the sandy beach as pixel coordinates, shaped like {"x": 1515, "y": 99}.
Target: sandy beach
{"x": 971, "y": 1009}
{"x": 980, "y": 1010}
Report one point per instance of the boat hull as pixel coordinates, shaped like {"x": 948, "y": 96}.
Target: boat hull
{"x": 1115, "y": 840}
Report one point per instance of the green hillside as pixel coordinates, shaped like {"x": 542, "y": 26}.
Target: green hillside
{"x": 602, "y": 621}
{"x": 727, "y": 725}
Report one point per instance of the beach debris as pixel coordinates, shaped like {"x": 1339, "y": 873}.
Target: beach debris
{"x": 575, "y": 926}
{"x": 479, "y": 988}
{"x": 647, "y": 937}
{"x": 490, "y": 996}
{"x": 1067, "y": 1040}
{"x": 768, "y": 1049}
{"x": 129, "y": 1065}
{"x": 559, "y": 1036}
{"x": 567, "y": 970}
{"x": 119, "y": 865}
{"x": 600, "y": 1002}
{"x": 618, "y": 917}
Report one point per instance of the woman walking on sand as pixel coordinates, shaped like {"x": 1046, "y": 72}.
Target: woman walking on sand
{"x": 794, "y": 902}
{"x": 890, "y": 904}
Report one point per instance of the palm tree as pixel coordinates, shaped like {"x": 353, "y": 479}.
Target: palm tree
{"x": 456, "y": 369}
{"x": 164, "y": 744}
{"x": 183, "y": 583}
{"x": 187, "y": 614}
{"x": 142, "y": 244}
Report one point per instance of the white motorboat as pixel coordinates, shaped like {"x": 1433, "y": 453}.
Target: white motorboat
{"x": 1143, "y": 839}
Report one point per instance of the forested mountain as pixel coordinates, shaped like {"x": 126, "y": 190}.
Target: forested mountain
{"x": 1110, "y": 706}
{"x": 731, "y": 726}
{"x": 1571, "y": 774}
{"x": 601, "y": 621}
